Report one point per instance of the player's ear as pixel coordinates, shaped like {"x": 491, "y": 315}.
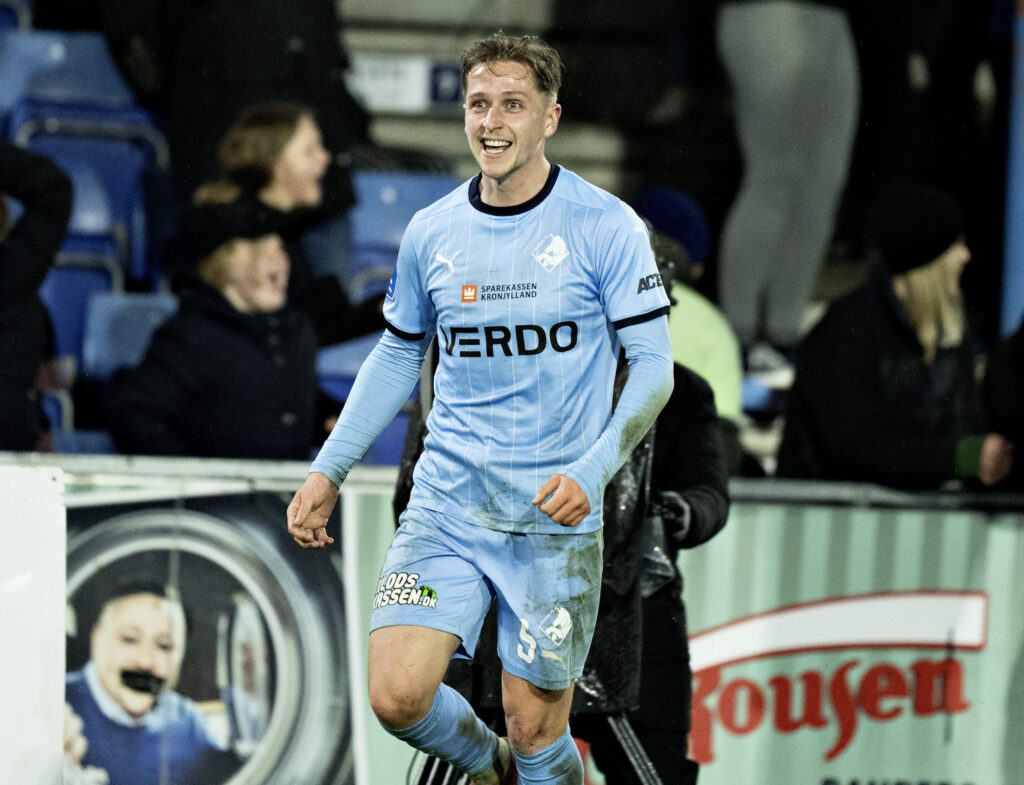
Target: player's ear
{"x": 551, "y": 123}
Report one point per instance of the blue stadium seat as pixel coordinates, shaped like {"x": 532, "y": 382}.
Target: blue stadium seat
{"x": 385, "y": 203}
{"x": 119, "y": 167}
{"x": 92, "y": 238}
{"x": 118, "y": 328}
{"x": 90, "y": 441}
{"x": 68, "y": 99}
{"x": 386, "y": 449}
{"x": 87, "y": 261}
{"x": 22, "y": 53}
{"x": 336, "y": 369}
{"x": 66, "y": 292}
{"x": 69, "y": 83}
{"x": 15, "y": 15}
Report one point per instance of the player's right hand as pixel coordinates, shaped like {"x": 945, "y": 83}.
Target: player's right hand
{"x": 310, "y": 509}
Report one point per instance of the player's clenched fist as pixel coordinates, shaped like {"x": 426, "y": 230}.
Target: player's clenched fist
{"x": 562, "y": 500}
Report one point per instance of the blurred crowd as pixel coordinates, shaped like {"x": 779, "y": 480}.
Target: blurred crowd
{"x": 845, "y": 134}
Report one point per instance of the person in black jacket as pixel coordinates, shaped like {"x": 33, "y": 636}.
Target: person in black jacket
{"x": 233, "y": 372}
{"x": 27, "y": 250}
{"x": 273, "y": 156}
{"x": 885, "y": 387}
{"x": 1004, "y": 381}
{"x": 684, "y": 505}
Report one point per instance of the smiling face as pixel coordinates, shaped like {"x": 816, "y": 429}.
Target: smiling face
{"x": 256, "y": 275}
{"x": 141, "y": 634}
{"x": 299, "y": 169}
{"x": 508, "y": 121}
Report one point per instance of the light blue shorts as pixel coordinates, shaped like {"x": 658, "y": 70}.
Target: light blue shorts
{"x": 443, "y": 573}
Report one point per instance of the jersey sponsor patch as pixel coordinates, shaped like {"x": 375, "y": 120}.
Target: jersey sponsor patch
{"x": 648, "y": 282}
{"x": 523, "y": 340}
{"x": 469, "y": 293}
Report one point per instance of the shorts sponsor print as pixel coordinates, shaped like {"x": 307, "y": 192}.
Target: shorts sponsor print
{"x": 443, "y": 573}
{"x": 403, "y": 588}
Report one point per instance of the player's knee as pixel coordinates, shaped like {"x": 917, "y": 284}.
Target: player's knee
{"x": 530, "y": 733}
{"x": 399, "y": 706}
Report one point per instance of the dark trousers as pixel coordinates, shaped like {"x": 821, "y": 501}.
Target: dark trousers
{"x": 662, "y": 719}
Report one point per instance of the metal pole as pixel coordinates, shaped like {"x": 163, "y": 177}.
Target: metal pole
{"x": 634, "y": 750}
{"x": 1013, "y": 256}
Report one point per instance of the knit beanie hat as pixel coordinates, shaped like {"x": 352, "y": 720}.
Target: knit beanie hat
{"x": 674, "y": 213}
{"x": 205, "y": 227}
{"x": 914, "y": 225}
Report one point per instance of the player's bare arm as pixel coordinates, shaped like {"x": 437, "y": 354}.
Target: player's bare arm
{"x": 566, "y": 503}
{"x": 309, "y": 510}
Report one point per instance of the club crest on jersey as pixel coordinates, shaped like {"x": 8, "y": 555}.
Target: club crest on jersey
{"x": 550, "y": 252}
{"x": 557, "y": 625}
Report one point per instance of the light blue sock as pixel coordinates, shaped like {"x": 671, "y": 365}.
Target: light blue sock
{"x": 452, "y": 731}
{"x": 557, "y": 764}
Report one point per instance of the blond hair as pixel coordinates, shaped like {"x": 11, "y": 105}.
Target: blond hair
{"x": 214, "y": 267}
{"x": 931, "y": 296}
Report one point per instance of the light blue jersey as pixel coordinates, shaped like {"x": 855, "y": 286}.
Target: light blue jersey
{"x": 524, "y": 302}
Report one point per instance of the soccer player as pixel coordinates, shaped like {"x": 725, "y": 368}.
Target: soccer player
{"x": 532, "y": 280}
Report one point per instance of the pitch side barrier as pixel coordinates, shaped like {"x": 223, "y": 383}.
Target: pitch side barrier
{"x": 848, "y": 634}
{"x": 840, "y": 633}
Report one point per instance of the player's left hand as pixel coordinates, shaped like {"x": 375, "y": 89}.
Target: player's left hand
{"x": 566, "y": 503}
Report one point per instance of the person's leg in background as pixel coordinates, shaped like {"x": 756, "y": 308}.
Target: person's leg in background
{"x": 769, "y": 54}
{"x": 662, "y": 720}
{"x": 824, "y": 104}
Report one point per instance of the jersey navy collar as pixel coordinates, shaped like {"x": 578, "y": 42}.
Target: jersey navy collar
{"x": 515, "y": 209}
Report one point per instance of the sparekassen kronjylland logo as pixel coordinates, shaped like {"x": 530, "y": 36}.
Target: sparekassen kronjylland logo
{"x": 945, "y": 621}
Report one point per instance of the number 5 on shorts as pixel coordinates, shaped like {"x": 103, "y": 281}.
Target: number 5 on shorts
{"x": 529, "y": 640}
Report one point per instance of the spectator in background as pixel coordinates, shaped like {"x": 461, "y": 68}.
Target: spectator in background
{"x": 273, "y": 156}
{"x": 885, "y": 387}
{"x": 1004, "y": 387}
{"x": 702, "y": 338}
{"x": 232, "y": 54}
{"x": 792, "y": 67}
{"x": 27, "y": 250}
{"x": 133, "y": 725}
{"x": 233, "y": 372}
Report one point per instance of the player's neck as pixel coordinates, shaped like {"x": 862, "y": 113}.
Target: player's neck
{"x": 518, "y": 187}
